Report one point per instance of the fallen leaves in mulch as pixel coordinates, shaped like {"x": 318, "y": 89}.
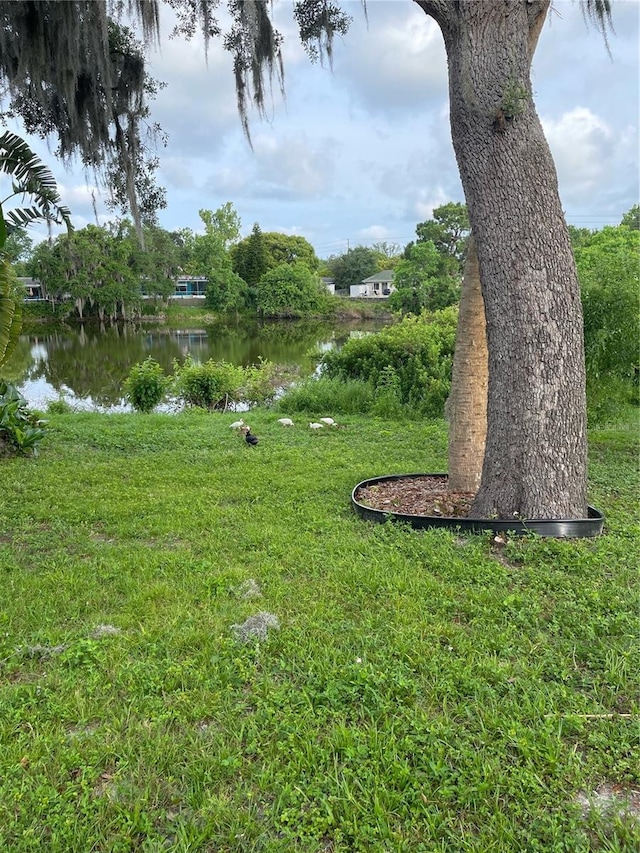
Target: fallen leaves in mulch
{"x": 416, "y": 496}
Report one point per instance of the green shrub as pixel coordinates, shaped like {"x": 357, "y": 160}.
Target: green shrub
{"x": 609, "y": 275}
{"x": 410, "y": 362}
{"x": 611, "y": 400}
{"x": 211, "y": 385}
{"x": 290, "y": 290}
{"x": 146, "y": 385}
{"x": 20, "y": 429}
{"x": 59, "y": 407}
{"x": 325, "y": 396}
{"x": 263, "y": 381}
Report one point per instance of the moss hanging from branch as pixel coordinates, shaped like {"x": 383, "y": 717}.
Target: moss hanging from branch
{"x": 61, "y": 73}
{"x": 72, "y": 72}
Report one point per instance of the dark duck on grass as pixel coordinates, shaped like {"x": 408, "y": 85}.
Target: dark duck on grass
{"x": 249, "y": 437}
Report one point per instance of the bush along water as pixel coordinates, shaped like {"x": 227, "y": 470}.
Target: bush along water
{"x": 146, "y": 385}
{"x": 213, "y": 385}
{"x": 407, "y": 364}
{"x": 322, "y": 395}
{"x": 21, "y": 430}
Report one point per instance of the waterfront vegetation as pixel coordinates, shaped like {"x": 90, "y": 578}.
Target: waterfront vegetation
{"x": 424, "y": 691}
{"x": 177, "y": 315}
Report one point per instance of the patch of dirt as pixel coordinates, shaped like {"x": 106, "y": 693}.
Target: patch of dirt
{"x": 80, "y": 731}
{"x": 609, "y": 800}
{"x": 416, "y": 496}
{"x": 104, "y": 631}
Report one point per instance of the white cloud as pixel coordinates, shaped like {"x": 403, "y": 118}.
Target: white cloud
{"x": 589, "y": 154}
{"x": 79, "y": 195}
{"x": 426, "y": 203}
{"x": 581, "y": 143}
{"x": 177, "y": 172}
{"x": 293, "y": 166}
{"x": 374, "y": 234}
{"x": 198, "y": 106}
{"x": 397, "y": 63}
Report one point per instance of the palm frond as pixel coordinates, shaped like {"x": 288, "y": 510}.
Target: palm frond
{"x": 17, "y": 159}
{"x": 31, "y": 177}
{"x": 10, "y": 313}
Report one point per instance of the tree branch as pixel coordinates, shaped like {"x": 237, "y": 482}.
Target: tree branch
{"x": 537, "y": 15}
{"x": 442, "y": 11}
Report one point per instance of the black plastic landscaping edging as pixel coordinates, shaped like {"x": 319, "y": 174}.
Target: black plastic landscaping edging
{"x": 559, "y": 528}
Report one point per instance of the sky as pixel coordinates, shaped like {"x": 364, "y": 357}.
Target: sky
{"x": 361, "y": 152}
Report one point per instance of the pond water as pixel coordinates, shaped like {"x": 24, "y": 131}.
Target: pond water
{"x": 87, "y": 366}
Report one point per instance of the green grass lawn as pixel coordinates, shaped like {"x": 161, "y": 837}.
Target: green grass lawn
{"x": 424, "y": 691}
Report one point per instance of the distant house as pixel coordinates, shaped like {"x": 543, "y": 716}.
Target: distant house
{"x": 33, "y": 289}
{"x": 330, "y": 284}
{"x": 191, "y": 287}
{"x": 378, "y": 286}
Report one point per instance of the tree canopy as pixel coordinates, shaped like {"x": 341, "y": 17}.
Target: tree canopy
{"x": 249, "y": 257}
{"x": 262, "y": 251}
{"x": 353, "y": 266}
{"x": 609, "y": 270}
{"x": 289, "y": 290}
{"x": 448, "y": 230}
{"x": 425, "y": 279}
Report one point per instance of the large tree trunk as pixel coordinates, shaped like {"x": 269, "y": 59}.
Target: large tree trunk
{"x": 535, "y": 458}
{"x": 467, "y": 403}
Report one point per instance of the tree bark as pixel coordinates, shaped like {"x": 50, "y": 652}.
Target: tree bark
{"x": 467, "y": 403}
{"x": 535, "y": 458}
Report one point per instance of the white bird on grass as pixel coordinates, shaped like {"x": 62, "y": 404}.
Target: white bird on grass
{"x": 316, "y": 426}
{"x": 285, "y": 421}
{"x": 237, "y": 424}
{"x": 329, "y": 421}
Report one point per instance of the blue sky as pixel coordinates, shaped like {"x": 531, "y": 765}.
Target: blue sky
{"x": 362, "y": 152}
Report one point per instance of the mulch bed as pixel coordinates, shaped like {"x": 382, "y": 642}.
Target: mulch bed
{"x": 416, "y": 496}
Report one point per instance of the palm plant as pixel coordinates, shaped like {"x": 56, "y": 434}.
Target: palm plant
{"x": 31, "y": 179}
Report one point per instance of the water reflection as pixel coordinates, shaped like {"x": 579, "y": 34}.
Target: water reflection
{"x": 87, "y": 366}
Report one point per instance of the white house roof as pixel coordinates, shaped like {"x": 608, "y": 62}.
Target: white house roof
{"x": 384, "y": 276}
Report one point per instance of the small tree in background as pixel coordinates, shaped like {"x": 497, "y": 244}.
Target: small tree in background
{"x": 290, "y": 290}
{"x": 448, "y": 230}
{"x": 227, "y": 292}
{"x": 631, "y": 219}
{"x": 609, "y": 272}
{"x": 389, "y": 254}
{"x": 209, "y": 255}
{"x": 289, "y": 249}
{"x": 353, "y": 266}
{"x": 263, "y": 251}
{"x": 424, "y": 279}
